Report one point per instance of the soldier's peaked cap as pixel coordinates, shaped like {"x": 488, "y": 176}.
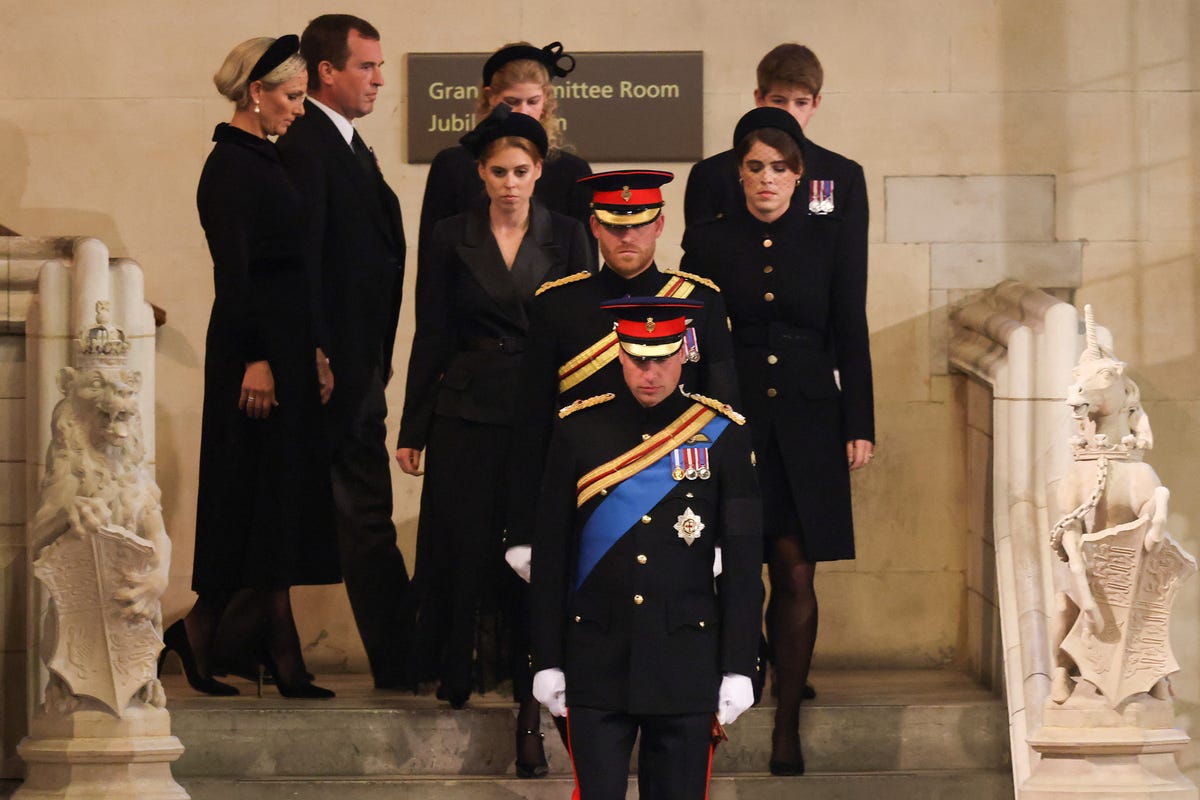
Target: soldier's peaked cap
{"x": 627, "y": 197}
{"x": 651, "y": 327}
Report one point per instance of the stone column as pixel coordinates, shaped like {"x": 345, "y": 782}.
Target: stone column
{"x": 95, "y": 539}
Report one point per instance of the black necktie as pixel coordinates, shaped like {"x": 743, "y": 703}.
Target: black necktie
{"x": 365, "y": 157}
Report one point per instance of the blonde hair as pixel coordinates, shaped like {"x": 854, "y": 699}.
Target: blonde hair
{"x": 232, "y": 81}
{"x": 525, "y": 70}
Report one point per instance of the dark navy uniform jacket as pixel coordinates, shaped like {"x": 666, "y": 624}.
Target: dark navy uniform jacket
{"x": 648, "y": 631}
{"x": 567, "y": 319}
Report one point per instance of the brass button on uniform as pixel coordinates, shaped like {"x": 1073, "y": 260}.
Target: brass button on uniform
{"x": 701, "y": 623}
{"x": 767, "y": 243}
{"x": 641, "y": 559}
{"x": 769, "y": 297}
{"x": 638, "y": 599}
{"x": 772, "y": 359}
{"x": 645, "y": 436}
{"x": 646, "y": 520}
{"x": 772, "y": 392}
{"x": 578, "y": 618}
{"x": 768, "y": 269}
{"x": 604, "y": 492}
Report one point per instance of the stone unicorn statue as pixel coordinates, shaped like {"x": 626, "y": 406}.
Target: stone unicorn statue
{"x": 1123, "y": 566}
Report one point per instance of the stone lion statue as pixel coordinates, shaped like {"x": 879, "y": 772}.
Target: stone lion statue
{"x": 97, "y": 490}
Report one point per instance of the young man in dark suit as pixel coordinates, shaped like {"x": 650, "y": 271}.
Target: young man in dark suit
{"x": 789, "y": 77}
{"x": 357, "y": 263}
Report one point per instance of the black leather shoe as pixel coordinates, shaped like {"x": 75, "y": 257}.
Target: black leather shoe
{"x": 786, "y": 768}
{"x": 531, "y": 769}
{"x": 175, "y": 638}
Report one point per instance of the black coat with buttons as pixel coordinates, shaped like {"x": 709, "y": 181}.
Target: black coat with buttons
{"x": 798, "y": 307}
{"x": 648, "y": 631}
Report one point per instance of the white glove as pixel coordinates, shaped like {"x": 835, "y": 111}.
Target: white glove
{"x": 550, "y": 689}
{"x": 716, "y": 561}
{"x": 736, "y": 695}
{"x": 520, "y": 558}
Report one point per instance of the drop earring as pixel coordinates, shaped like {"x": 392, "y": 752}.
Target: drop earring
{"x": 256, "y": 111}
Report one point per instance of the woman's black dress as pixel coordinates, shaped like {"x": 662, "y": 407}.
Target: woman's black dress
{"x": 264, "y": 516}
{"x": 460, "y": 407}
{"x": 798, "y": 310}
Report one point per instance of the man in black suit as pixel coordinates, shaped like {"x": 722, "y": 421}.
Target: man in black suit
{"x": 357, "y": 263}
{"x": 630, "y": 632}
{"x": 789, "y": 77}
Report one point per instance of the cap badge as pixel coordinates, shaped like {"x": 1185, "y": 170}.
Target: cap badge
{"x": 650, "y": 325}
{"x": 689, "y": 526}
{"x": 626, "y": 194}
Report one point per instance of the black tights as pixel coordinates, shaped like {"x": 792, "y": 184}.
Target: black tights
{"x": 237, "y": 630}
{"x": 792, "y": 629}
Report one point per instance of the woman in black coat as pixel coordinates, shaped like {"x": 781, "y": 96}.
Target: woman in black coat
{"x": 264, "y": 505}
{"x": 798, "y": 310}
{"x": 475, "y": 281}
{"x": 518, "y": 75}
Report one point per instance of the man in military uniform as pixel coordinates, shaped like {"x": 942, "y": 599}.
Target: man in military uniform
{"x": 631, "y": 634}
{"x": 571, "y": 351}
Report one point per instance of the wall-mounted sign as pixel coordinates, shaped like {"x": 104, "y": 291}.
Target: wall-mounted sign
{"x": 643, "y": 107}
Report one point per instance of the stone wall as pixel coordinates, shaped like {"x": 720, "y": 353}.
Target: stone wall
{"x": 1049, "y": 140}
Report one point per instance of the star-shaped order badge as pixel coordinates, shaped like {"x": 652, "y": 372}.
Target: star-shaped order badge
{"x": 689, "y": 526}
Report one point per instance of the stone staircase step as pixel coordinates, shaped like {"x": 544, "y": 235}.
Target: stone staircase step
{"x": 916, "y": 785}
{"x": 900, "y": 722}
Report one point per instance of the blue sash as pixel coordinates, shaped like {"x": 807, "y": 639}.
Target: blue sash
{"x": 628, "y": 503}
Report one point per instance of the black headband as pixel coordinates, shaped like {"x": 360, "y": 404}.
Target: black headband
{"x": 549, "y": 56}
{"x": 280, "y": 51}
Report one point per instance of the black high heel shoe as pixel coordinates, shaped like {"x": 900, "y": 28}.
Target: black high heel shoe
{"x": 303, "y": 690}
{"x": 175, "y": 638}
{"x": 457, "y": 698}
{"x": 535, "y": 769}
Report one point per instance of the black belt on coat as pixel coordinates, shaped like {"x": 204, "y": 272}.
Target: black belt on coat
{"x": 502, "y": 344}
{"x": 778, "y": 334}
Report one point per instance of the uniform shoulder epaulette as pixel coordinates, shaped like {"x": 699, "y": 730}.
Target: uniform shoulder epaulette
{"x": 693, "y": 278}
{"x": 717, "y": 405}
{"x": 583, "y": 403}
{"x": 578, "y": 276}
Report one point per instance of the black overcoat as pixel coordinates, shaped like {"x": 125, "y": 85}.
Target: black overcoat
{"x": 798, "y": 308}
{"x": 648, "y": 631}
{"x": 459, "y": 406}
{"x": 713, "y": 192}
{"x": 264, "y": 506}
{"x": 356, "y": 248}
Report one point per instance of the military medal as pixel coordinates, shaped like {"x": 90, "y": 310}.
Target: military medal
{"x": 820, "y": 197}
{"x": 691, "y": 351}
{"x": 677, "y": 471}
{"x": 702, "y": 470}
{"x": 689, "y": 526}
{"x": 689, "y": 460}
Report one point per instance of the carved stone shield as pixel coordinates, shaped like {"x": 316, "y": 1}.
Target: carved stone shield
{"x": 1134, "y": 590}
{"x": 97, "y": 649}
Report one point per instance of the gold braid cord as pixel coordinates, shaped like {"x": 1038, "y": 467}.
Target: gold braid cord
{"x": 1060, "y": 527}
{"x": 548, "y": 285}
{"x": 587, "y": 402}
{"x": 692, "y": 277}
{"x": 717, "y": 405}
